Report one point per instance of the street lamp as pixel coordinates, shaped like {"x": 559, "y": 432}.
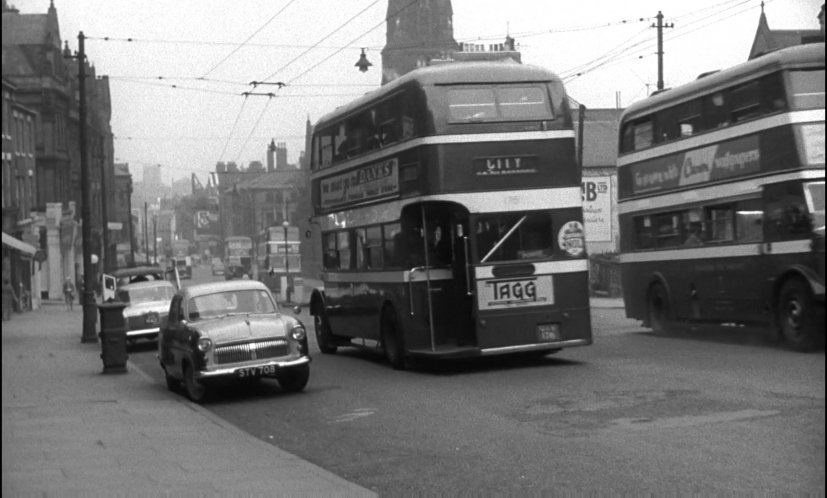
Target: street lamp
{"x": 285, "y": 224}
{"x": 90, "y": 318}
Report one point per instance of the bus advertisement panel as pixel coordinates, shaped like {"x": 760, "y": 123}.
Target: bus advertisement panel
{"x": 451, "y": 218}
{"x": 721, "y": 199}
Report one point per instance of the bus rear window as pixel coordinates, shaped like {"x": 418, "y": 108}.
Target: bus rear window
{"x": 507, "y": 103}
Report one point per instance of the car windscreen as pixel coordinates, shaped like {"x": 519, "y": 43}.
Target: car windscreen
{"x": 230, "y": 303}
{"x": 149, "y": 294}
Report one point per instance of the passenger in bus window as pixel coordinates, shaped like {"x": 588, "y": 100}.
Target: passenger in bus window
{"x": 694, "y": 238}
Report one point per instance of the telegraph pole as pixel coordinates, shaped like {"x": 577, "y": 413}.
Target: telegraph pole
{"x": 660, "y": 27}
{"x": 146, "y": 235}
{"x": 90, "y": 318}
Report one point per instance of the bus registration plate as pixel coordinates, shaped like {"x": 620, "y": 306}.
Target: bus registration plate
{"x": 548, "y": 332}
{"x": 515, "y": 292}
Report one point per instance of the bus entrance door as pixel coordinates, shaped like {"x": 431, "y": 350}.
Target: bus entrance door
{"x": 438, "y": 277}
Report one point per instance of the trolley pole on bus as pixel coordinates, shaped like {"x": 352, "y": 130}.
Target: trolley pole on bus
{"x": 285, "y": 224}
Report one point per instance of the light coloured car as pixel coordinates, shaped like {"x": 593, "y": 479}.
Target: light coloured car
{"x": 217, "y": 267}
{"x": 231, "y": 331}
{"x": 147, "y": 305}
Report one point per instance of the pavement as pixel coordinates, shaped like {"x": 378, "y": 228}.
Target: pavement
{"x": 71, "y": 430}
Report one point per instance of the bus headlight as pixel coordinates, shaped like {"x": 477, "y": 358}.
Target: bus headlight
{"x": 298, "y": 333}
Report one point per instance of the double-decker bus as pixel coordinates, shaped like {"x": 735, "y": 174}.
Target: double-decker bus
{"x": 451, "y": 217}
{"x": 721, "y": 199}
{"x": 279, "y": 258}
{"x": 181, "y": 257}
{"x": 238, "y": 256}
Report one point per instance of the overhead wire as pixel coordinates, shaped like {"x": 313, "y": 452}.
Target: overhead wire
{"x": 290, "y": 2}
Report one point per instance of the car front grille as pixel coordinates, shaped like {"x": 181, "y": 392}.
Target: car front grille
{"x": 267, "y": 348}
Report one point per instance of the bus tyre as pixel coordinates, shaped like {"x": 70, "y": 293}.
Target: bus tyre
{"x": 324, "y": 337}
{"x": 657, "y": 304}
{"x": 797, "y": 315}
{"x": 392, "y": 344}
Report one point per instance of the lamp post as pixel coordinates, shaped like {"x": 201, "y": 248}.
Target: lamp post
{"x": 285, "y": 224}
{"x": 90, "y": 318}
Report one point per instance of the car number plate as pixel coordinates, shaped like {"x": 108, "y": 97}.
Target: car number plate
{"x": 243, "y": 373}
{"x": 548, "y": 332}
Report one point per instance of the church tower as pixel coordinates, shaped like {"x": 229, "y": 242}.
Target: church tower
{"x": 417, "y": 33}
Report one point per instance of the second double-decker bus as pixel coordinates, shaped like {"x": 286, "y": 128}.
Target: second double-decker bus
{"x": 238, "y": 256}
{"x": 451, "y": 217}
{"x": 721, "y": 199}
{"x": 181, "y": 257}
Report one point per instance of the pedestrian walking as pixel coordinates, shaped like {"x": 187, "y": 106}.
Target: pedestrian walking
{"x": 69, "y": 293}
{"x": 9, "y": 298}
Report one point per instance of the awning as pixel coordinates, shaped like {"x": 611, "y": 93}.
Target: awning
{"x": 21, "y": 246}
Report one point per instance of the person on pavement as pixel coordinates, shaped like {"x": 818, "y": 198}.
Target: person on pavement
{"x": 69, "y": 293}
{"x": 9, "y": 298}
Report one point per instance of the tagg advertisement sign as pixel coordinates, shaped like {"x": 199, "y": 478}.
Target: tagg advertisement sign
{"x": 360, "y": 185}
{"x": 597, "y": 208}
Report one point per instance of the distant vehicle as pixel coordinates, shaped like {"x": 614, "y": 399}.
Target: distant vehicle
{"x": 279, "y": 260}
{"x": 238, "y": 252}
{"x": 217, "y": 267}
{"x": 147, "y": 307}
{"x": 181, "y": 257}
{"x": 230, "y": 332}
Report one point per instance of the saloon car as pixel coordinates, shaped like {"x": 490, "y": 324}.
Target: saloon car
{"x": 231, "y": 331}
{"x": 147, "y": 305}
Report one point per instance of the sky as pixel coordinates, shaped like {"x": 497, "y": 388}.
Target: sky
{"x": 177, "y": 85}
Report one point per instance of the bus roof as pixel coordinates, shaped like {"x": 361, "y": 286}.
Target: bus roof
{"x": 450, "y": 73}
{"x": 809, "y": 55}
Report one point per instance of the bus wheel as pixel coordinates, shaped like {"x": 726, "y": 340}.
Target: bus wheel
{"x": 324, "y": 337}
{"x": 392, "y": 340}
{"x": 797, "y": 315}
{"x": 657, "y": 304}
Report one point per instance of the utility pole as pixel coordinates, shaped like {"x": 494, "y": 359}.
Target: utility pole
{"x": 660, "y": 27}
{"x": 146, "y": 235}
{"x": 90, "y": 318}
{"x": 155, "y": 239}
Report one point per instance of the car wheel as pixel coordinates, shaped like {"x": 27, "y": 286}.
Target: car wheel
{"x": 392, "y": 343}
{"x": 797, "y": 316}
{"x": 196, "y": 391}
{"x": 294, "y": 379}
{"x": 324, "y": 337}
{"x": 173, "y": 384}
{"x": 657, "y": 304}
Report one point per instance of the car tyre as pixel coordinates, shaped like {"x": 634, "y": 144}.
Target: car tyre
{"x": 796, "y": 314}
{"x": 392, "y": 342}
{"x": 294, "y": 379}
{"x": 196, "y": 391}
{"x": 324, "y": 336}
{"x": 657, "y": 308}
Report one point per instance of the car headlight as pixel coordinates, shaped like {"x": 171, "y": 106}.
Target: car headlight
{"x": 204, "y": 344}
{"x": 298, "y": 333}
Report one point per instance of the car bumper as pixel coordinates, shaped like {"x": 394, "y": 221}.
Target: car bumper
{"x": 231, "y": 371}
{"x": 143, "y": 333}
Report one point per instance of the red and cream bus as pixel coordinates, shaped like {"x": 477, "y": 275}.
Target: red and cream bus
{"x": 451, "y": 217}
{"x": 721, "y": 199}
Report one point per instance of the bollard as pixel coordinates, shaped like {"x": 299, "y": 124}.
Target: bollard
{"x": 113, "y": 337}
